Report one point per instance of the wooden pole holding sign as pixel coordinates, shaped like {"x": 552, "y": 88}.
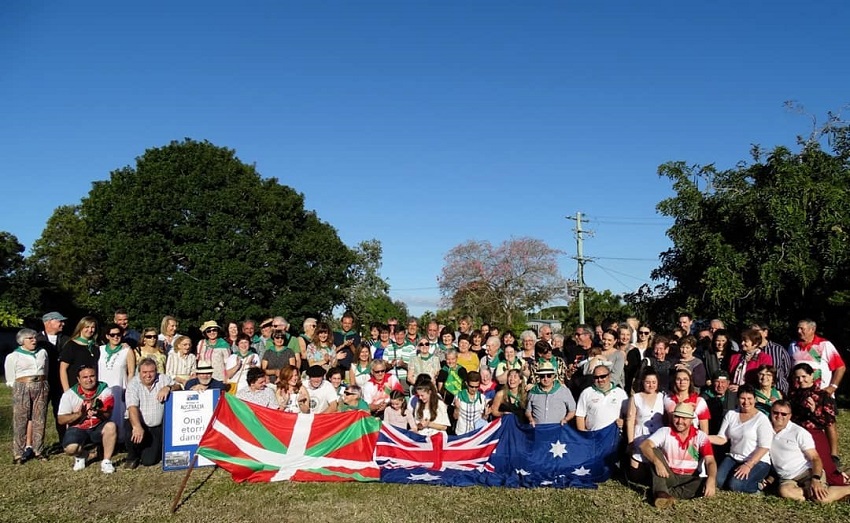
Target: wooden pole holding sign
{"x": 183, "y": 484}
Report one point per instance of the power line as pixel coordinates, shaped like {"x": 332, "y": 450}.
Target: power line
{"x": 624, "y": 259}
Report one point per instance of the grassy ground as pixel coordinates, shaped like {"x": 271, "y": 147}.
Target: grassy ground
{"x": 51, "y": 492}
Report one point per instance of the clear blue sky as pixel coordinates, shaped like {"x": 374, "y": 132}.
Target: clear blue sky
{"x": 421, "y": 124}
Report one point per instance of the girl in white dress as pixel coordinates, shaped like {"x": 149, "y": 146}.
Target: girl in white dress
{"x": 645, "y": 415}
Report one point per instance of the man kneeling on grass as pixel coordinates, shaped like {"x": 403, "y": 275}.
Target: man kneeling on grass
{"x": 86, "y": 409}
{"x": 674, "y": 453}
{"x": 796, "y": 461}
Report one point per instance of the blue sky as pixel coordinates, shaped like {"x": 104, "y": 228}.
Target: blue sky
{"x": 421, "y": 124}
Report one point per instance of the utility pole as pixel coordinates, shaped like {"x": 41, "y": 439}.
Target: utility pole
{"x": 579, "y": 257}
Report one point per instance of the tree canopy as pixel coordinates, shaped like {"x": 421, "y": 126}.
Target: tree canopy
{"x": 497, "y": 283}
{"x": 766, "y": 240}
{"x": 194, "y": 232}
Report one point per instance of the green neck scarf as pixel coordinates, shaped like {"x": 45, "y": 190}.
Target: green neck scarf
{"x": 89, "y": 344}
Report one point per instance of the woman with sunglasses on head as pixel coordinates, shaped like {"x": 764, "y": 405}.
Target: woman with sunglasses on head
{"x": 116, "y": 367}
{"x": 149, "y": 348}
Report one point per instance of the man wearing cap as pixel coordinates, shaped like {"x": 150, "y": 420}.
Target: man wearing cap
{"x": 145, "y": 397}
{"x": 323, "y": 396}
{"x": 796, "y": 461}
{"x": 265, "y": 337}
{"x": 86, "y": 409}
{"x": 601, "y": 404}
{"x": 549, "y": 401}
{"x": 674, "y": 454}
{"x": 51, "y": 339}
{"x": 203, "y": 379}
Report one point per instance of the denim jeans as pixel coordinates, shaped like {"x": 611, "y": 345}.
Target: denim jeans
{"x": 726, "y": 476}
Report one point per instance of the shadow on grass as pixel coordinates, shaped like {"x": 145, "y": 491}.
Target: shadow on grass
{"x": 187, "y": 496}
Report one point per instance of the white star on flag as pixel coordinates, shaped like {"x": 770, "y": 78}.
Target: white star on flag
{"x": 558, "y": 449}
{"x": 522, "y": 472}
{"x": 423, "y": 477}
{"x": 581, "y": 471}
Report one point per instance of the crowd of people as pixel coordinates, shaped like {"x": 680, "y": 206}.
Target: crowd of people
{"x": 698, "y": 410}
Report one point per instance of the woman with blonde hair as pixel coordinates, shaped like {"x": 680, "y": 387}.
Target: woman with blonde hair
{"x": 168, "y": 333}
{"x": 181, "y": 363}
{"x": 148, "y": 348}
{"x": 80, "y": 349}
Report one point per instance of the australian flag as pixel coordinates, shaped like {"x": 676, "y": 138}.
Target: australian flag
{"x": 503, "y": 453}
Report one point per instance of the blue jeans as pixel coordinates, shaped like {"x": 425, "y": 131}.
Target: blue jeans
{"x": 726, "y": 477}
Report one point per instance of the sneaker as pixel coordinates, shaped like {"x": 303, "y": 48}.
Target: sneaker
{"x": 79, "y": 464}
{"x": 106, "y": 467}
{"x": 28, "y": 454}
{"x": 664, "y": 500}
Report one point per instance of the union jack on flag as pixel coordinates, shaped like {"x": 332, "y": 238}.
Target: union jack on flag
{"x": 398, "y": 448}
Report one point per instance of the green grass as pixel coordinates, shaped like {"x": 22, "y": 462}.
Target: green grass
{"x": 53, "y": 492}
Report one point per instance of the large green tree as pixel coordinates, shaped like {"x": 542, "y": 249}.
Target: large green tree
{"x": 192, "y": 231}
{"x": 11, "y": 267}
{"x": 765, "y": 240}
{"x": 367, "y": 296}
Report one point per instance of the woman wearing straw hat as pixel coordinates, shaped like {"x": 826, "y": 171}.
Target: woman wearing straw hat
{"x": 213, "y": 349}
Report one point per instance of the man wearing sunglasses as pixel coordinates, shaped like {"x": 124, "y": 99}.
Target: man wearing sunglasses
{"x": 796, "y": 461}
{"x": 601, "y": 404}
{"x": 549, "y": 401}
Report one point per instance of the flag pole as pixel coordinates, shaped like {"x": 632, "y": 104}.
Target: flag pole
{"x": 183, "y": 484}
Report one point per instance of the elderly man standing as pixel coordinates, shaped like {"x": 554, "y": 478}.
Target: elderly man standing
{"x": 674, "y": 453}
{"x": 86, "y": 408}
{"x": 145, "y": 398}
{"x": 51, "y": 339}
{"x": 549, "y": 401}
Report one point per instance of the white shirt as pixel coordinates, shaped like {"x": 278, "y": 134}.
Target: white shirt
{"x": 745, "y": 438}
{"x": 322, "y": 397}
{"x": 786, "y": 451}
{"x": 600, "y": 410}
{"x": 23, "y": 363}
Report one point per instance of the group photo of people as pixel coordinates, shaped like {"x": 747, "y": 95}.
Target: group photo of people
{"x": 699, "y": 408}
